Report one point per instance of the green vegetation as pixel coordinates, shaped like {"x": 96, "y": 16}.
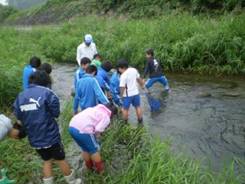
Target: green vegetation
{"x": 5, "y": 12}
{"x": 182, "y": 43}
{"x": 131, "y": 156}
{"x": 23, "y": 4}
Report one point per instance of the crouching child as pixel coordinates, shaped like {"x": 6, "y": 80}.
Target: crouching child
{"x": 36, "y": 108}
{"x": 85, "y": 127}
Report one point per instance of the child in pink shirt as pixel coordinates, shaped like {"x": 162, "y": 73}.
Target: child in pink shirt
{"x": 85, "y": 126}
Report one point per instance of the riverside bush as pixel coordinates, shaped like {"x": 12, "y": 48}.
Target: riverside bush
{"x": 181, "y": 43}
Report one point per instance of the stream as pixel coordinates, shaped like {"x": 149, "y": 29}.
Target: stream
{"x": 203, "y": 117}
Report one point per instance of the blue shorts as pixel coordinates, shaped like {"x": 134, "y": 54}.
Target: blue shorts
{"x": 87, "y": 142}
{"x": 134, "y": 100}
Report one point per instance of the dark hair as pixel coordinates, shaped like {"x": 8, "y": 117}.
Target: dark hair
{"x": 91, "y": 69}
{"x": 85, "y": 61}
{"x": 97, "y": 55}
{"x": 35, "y": 62}
{"x": 150, "y": 51}
{"x": 112, "y": 108}
{"x": 40, "y": 78}
{"x": 46, "y": 67}
{"x": 122, "y": 63}
{"x": 107, "y": 66}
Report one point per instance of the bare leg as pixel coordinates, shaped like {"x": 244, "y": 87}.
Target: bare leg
{"x": 87, "y": 158}
{"x": 139, "y": 114}
{"x": 64, "y": 167}
{"x": 125, "y": 114}
{"x": 47, "y": 169}
{"x": 99, "y": 165}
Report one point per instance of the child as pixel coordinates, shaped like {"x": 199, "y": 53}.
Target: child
{"x": 84, "y": 63}
{"x": 115, "y": 89}
{"x": 37, "y": 108}
{"x": 129, "y": 90}
{"x": 48, "y": 69}
{"x": 6, "y": 127}
{"x": 155, "y": 71}
{"x": 88, "y": 92}
{"x": 102, "y": 76}
{"x": 97, "y": 60}
{"x": 85, "y": 126}
{"x": 35, "y": 63}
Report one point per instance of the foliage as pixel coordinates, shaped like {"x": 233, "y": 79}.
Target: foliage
{"x": 5, "y": 12}
{"x": 23, "y": 4}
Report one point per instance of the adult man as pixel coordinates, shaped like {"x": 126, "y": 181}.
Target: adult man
{"x": 86, "y": 49}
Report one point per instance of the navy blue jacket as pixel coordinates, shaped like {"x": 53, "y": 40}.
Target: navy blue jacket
{"x": 37, "y": 107}
{"x": 153, "y": 68}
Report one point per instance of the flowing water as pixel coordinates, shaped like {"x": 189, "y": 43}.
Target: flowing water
{"x": 203, "y": 117}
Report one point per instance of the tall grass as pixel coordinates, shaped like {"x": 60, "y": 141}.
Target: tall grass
{"x": 181, "y": 42}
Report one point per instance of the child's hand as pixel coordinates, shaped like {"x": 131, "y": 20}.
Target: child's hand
{"x": 14, "y": 133}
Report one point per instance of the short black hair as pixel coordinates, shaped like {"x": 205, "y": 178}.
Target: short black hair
{"x": 107, "y": 66}
{"x": 40, "y": 78}
{"x": 35, "y": 62}
{"x": 96, "y": 55}
{"x": 112, "y": 108}
{"x": 85, "y": 61}
{"x": 150, "y": 51}
{"x": 122, "y": 63}
{"x": 46, "y": 67}
{"x": 91, "y": 69}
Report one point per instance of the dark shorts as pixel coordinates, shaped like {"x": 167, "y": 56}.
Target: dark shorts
{"x": 55, "y": 152}
{"x": 134, "y": 100}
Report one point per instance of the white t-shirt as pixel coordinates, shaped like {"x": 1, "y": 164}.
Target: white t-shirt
{"x": 129, "y": 80}
{"x": 84, "y": 51}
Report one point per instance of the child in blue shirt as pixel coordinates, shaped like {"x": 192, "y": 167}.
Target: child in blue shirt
{"x": 35, "y": 63}
{"x": 88, "y": 92}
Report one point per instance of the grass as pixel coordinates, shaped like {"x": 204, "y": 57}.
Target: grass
{"x": 182, "y": 43}
{"x": 131, "y": 155}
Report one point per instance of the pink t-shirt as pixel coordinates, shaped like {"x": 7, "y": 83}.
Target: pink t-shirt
{"x": 92, "y": 119}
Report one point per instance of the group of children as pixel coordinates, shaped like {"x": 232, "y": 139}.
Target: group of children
{"x": 37, "y": 107}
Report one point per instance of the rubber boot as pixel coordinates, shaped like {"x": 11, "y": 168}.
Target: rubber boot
{"x": 49, "y": 180}
{"x": 72, "y": 180}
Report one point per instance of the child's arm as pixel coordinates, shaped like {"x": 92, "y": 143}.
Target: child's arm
{"x": 53, "y": 105}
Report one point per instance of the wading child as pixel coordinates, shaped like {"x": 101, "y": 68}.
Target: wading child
{"x": 97, "y": 60}
{"x": 48, "y": 69}
{"x": 37, "y": 108}
{"x": 35, "y": 63}
{"x": 85, "y": 126}
{"x": 129, "y": 90}
{"x": 88, "y": 92}
{"x": 155, "y": 71}
{"x": 103, "y": 77}
{"x": 115, "y": 88}
{"x": 84, "y": 63}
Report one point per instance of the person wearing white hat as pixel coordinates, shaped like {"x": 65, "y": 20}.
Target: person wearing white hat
{"x": 86, "y": 49}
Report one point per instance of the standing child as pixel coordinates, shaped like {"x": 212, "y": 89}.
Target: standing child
{"x": 115, "y": 88}
{"x": 103, "y": 77}
{"x": 84, "y": 63}
{"x": 35, "y": 63}
{"x": 129, "y": 89}
{"x": 155, "y": 71}
{"x": 37, "y": 108}
{"x": 48, "y": 69}
{"x": 85, "y": 126}
{"x": 88, "y": 92}
{"x": 97, "y": 60}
